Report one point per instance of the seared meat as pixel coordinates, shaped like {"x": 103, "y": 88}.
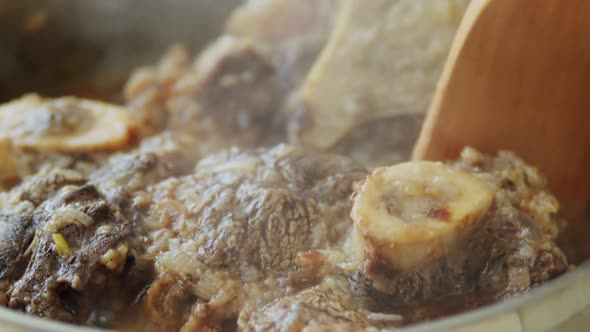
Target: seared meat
{"x": 148, "y": 89}
{"x": 233, "y": 229}
{"x": 230, "y": 67}
{"x": 193, "y": 99}
{"x": 67, "y": 237}
{"x": 325, "y": 307}
{"x": 93, "y": 221}
{"x": 262, "y": 238}
{"x": 54, "y": 270}
{"x": 17, "y": 228}
{"x": 16, "y": 233}
{"x": 509, "y": 250}
{"x": 157, "y": 158}
{"x": 525, "y": 221}
{"x": 124, "y": 177}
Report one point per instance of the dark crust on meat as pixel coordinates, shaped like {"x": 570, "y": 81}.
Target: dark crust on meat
{"x": 254, "y": 212}
{"x": 16, "y": 237}
{"x": 18, "y": 228}
{"x": 38, "y": 290}
{"x": 37, "y": 189}
{"x": 264, "y": 223}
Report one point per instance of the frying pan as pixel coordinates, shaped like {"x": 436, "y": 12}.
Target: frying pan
{"x": 87, "y": 48}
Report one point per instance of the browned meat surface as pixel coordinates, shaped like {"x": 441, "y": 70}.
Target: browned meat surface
{"x": 148, "y": 89}
{"x": 226, "y": 236}
{"x": 229, "y": 67}
{"x": 16, "y": 233}
{"x": 157, "y": 158}
{"x": 70, "y": 241}
{"x": 124, "y": 178}
{"x": 325, "y": 307}
{"x": 193, "y": 99}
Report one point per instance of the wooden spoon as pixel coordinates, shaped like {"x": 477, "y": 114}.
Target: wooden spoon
{"x": 518, "y": 78}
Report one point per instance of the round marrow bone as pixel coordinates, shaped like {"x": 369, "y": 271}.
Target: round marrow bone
{"x": 65, "y": 124}
{"x": 413, "y": 213}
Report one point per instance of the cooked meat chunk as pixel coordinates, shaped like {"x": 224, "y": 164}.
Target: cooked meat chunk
{"x": 17, "y": 228}
{"x": 123, "y": 180}
{"x": 36, "y": 189}
{"x": 325, "y": 307}
{"x": 261, "y": 238}
{"x": 194, "y": 99}
{"x": 70, "y": 241}
{"x": 236, "y": 226}
{"x": 230, "y": 67}
{"x": 158, "y": 157}
{"x": 148, "y": 89}
{"x": 526, "y": 221}
{"x": 508, "y": 249}
{"x": 78, "y": 233}
{"x": 16, "y": 233}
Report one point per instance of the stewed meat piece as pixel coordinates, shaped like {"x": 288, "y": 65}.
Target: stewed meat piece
{"x": 326, "y": 307}
{"x": 228, "y": 235}
{"x": 69, "y": 240}
{"x": 193, "y": 99}
{"x": 65, "y": 241}
{"x": 158, "y": 157}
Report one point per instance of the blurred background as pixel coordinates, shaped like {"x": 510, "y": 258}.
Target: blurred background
{"x": 87, "y": 48}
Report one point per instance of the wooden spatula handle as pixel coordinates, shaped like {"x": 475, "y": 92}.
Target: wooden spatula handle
{"x": 518, "y": 78}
